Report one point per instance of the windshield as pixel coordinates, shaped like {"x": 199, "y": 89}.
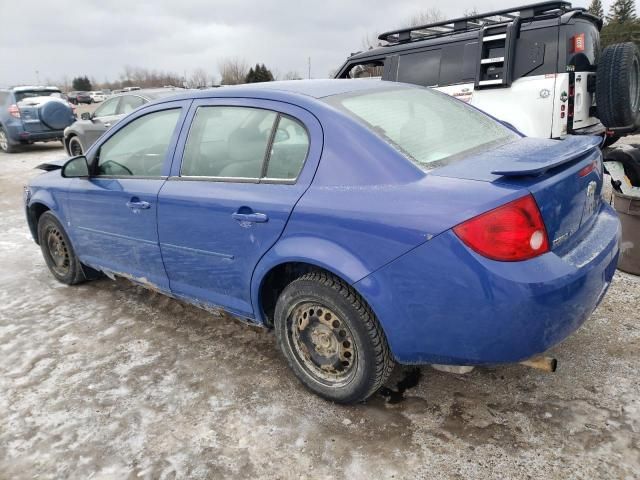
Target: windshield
{"x": 36, "y": 93}
{"x": 428, "y": 127}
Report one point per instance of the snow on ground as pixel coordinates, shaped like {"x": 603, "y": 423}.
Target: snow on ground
{"x": 108, "y": 380}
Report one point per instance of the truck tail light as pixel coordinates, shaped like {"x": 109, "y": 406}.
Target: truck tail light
{"x": 14, "y": 111}
{"x": 513, "y": 232}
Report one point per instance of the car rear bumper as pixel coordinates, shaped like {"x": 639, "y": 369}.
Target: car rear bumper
{"x": 18, "y": 134}
{"x": 443, "y": 303}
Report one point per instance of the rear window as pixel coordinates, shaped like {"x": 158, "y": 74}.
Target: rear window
{"x": 430, "y": 128}
{"x": 21, "y": 95}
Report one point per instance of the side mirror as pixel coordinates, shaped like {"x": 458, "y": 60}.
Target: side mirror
{"x": 85, "y": 116}
{"x": 76, "y": 167}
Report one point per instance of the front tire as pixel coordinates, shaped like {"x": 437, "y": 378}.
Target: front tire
{"x": 331, "y": 339}
{"x": 75, "y": 147}
{"x": 58, "y": 252}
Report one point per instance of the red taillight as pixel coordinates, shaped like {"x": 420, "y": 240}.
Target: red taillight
{"x": 578, "y": 43}
{"x": 14, "y": 111}
{"x": 509, "y": 233}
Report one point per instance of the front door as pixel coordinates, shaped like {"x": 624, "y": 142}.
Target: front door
{"x": 244, "y": 166}
{"x": 113, "y": 213}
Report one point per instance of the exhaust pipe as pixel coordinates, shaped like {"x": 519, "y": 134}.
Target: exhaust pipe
{"x": 546, "y": 364}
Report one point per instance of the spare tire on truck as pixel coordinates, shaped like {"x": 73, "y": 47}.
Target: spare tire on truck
{"x": 56, "y": 115}
{"x": 618, "y": 86}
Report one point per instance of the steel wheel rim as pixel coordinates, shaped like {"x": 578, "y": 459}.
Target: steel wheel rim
{"x": 634, "y": 85}
{"x": 75, "y": 148}
{"x": 322, "y": 344}
{"x": 58, "y": 252}
{"x": 3, "y": 140}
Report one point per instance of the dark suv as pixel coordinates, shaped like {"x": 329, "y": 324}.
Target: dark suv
{"x": 32, "y": 114}
{"x": 538, "y": 67}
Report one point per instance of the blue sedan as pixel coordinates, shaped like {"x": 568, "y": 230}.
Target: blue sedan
{"x": 368, "y": 223}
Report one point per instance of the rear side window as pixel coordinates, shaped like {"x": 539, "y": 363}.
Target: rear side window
{"x": 129, "y": 103}
{"x": 428, "y": 127}
{"x": 244, "y": 143}
{"x": 289, "y": 150}
{"x": 421, "y": 68}
{"x": 139, "y": 149}
{"x": 228, "y": 142}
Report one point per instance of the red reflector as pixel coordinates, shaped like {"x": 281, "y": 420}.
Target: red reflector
{"x": 509, "y": 233}
{"x": 578, "y": 43}
{"x": 588, "y": 169}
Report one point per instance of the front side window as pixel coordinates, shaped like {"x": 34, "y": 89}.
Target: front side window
{"x": 139, "y": 149}
{"x": 428, "y": 127}
{"x": 107, "y": 109}
{"x": 228, "y": 142}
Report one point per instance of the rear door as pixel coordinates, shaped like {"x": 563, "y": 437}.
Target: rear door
{"x": 238, "y": 172}
{"x": 113, "y": 213}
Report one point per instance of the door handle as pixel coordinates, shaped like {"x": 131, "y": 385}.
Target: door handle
{"x": 107, "y": 124}
{"x": 138, "y": 204}
{"x": 250, "y": 217}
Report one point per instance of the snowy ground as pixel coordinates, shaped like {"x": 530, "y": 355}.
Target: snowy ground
{"x": 108, "y": 380}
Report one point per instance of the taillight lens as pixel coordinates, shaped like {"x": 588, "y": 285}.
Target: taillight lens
{"x": 14, "y": 111}
{"x": 509, "y": 233}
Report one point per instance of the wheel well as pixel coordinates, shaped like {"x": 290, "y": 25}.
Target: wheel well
{"x": 67, "y": 139}
{"x": 35, "y": 212}
{"x": 276, "y": 281}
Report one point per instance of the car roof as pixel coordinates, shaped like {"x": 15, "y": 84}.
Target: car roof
{"x": 308, "y": 88}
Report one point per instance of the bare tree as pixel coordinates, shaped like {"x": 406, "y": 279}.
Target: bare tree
{"x": 431, "y": 15}
{"x": 292, "y": 75}
{"x": 199, "y": 78}
{"x": 233, "y": 71}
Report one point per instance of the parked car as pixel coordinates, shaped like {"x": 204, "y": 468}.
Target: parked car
{"x": 538, "y": 67}
{"x": 79, "y": 97}
{"x": 350, "y": 216}
{"x": 81, "y": 134}
{"x": 31, "y": 114}
{"x": 97, "y": 97}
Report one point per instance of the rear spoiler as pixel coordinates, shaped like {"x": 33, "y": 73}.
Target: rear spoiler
{"x": 547, "y": 155}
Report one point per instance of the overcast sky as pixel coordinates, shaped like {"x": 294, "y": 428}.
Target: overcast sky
{"x": 98, "y": 38}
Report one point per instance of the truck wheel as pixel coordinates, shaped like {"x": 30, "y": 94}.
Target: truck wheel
{"x": 331, "y": 338}
{"x": 5, "y": 145}
{"x": 618, "y": 86}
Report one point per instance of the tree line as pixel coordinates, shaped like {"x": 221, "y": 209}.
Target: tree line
{"x": 233, "y": 71}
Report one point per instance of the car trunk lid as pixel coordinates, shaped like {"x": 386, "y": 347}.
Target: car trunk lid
{"x": 565, "y": 178}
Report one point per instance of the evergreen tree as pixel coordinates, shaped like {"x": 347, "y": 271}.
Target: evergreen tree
{"x": 81, "y": 83}
{"x": 259, "y": 73}
{"x": 595, "y": 8}
{"x": 622, "y": 11}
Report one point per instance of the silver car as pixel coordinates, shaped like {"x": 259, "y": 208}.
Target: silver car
{"x": 79, "y": 136}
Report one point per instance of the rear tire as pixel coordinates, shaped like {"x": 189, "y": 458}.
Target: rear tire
{"x": 331, "y": 339}
{"x": 5, "y": 144}
{"x": 618, "y": 86}
{"x": 58, "y": 252}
